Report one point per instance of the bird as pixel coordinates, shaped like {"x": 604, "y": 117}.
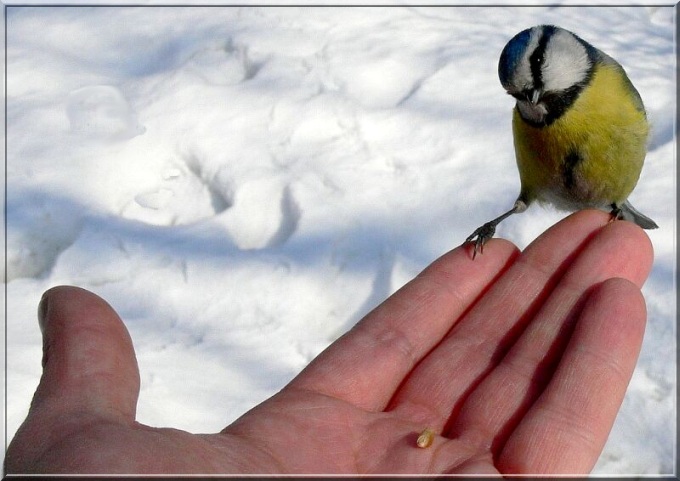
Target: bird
{"x": 579, "y": 127}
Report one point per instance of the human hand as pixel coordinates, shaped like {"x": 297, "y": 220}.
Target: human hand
{"x": 518, "y": 361}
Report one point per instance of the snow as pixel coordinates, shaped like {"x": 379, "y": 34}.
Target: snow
{"x": 244, "y": 184}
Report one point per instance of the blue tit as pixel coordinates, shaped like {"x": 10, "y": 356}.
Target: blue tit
{"x": 579, "y": 127}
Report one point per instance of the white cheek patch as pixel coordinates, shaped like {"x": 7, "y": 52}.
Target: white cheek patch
{"x": 566, "y": 62}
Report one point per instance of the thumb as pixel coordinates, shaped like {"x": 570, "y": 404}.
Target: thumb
{"x": 89, "y": 364}
{"x": 90, "y": 375}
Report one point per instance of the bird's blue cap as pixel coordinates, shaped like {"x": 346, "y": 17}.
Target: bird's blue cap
{"x": 511, "y": 55}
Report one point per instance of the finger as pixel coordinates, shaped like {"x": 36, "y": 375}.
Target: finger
{"x": 89, "y": 375}
{"x": 435, "y": 390}
{"x": 367, "y": 364}
{"x": 571, "y": 420}
{"x": 496, "y": 405}
{"x": 89, "y": 364}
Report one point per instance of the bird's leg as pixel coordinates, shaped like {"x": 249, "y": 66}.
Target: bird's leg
{"x": 486, "y": 231}
{"x": 616, "y": 213}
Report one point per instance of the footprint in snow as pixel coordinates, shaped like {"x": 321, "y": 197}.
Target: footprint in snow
{"x": 228, "y": 64}
{"x": 256, "y": 213}
{"x": 102, "y": 112}
{"x": 184, "y": 194}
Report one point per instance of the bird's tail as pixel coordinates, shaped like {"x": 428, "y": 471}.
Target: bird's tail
{"x": 627, "y": 212}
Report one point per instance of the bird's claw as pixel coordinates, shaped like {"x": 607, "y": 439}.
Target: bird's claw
{"x": 480, "y": 236}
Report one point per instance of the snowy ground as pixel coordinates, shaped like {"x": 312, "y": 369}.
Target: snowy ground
{"x": 243, "y": 184}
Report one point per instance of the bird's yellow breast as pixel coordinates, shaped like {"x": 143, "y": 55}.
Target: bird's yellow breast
{"x": 592, "y": 155}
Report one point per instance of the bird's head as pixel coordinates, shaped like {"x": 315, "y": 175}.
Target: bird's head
{"x": 545, "y": 68}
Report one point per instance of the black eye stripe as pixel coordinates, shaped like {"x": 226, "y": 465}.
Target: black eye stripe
{"x": 538, "y": 56}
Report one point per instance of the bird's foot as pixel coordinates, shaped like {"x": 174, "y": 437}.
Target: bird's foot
{"x": 481, "y": 236}
{"x": 616, "y": 214}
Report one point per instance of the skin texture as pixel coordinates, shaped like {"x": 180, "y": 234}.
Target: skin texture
{"x": 518, "y": 363}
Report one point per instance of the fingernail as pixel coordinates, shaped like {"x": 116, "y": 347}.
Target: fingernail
{"x": 42, "y": 317}
{"x": 42, "y": 311}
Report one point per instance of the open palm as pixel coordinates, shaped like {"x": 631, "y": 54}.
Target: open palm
{"x": 518, "y": 361}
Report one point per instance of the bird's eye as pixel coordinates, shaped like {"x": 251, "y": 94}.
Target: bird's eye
{"x": 536, "y": 61}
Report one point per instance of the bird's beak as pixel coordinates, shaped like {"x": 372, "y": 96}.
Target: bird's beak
{"x": 535, "y": 97}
